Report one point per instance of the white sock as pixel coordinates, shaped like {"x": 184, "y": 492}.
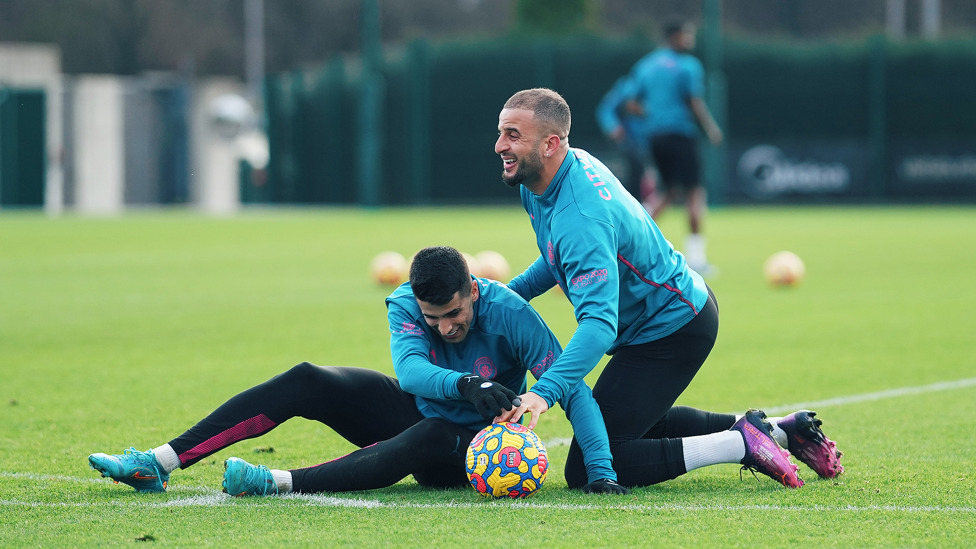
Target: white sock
{"x": 167, "y": 458}
{"x": 695, "y": 250}
{"x": 721, "y": 447}
{"x": 779, "y": 435}
{"x": 283, "y": 480}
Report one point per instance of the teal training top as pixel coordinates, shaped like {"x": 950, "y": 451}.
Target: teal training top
{"x": 506, "y": 339}
{"x": 626, "y": 282}
{"x": 664, "y": 80}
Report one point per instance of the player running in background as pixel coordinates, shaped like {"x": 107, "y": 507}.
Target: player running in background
{"x": 461, "y": 348}
{"x": 667, "y": 91}
{"x": 623, "y": 124}
{"x": 636, "y": 299}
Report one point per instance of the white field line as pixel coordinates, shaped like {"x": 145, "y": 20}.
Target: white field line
{"x": 219, "y": 499}
{"x": 212, "y": 498}
{"x": 879, "y": 395}
{"x": 850, "y": 399}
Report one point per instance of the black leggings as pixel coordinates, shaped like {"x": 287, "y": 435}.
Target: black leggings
{"x": 636, "y": 393}
{"x": 365, "y": 407}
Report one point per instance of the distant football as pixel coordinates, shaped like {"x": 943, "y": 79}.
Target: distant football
{"x": 473, "y": 266}
{"x": 784, "y": 269}
{"x": 389, "y": 268}
{"x": 492, "y": 265}
{"x": 506, "y": 460}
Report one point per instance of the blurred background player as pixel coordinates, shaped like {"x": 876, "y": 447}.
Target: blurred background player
{"x": 419, "y": 424}
{"x": 667, "y": 90}
{"x": 623, "y": 127}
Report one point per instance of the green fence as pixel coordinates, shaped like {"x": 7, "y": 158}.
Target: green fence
{"x": 23, "y": 156}
{"x": 440, "y": 106}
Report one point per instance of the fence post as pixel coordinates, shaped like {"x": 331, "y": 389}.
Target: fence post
{"x": 418, "y": 72}
{"x": 715, "y": 97}
{"x": 370, "y": 106}
{"x": 877, "y": 115}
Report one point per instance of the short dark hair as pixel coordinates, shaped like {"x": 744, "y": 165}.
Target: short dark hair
{"x": 438, "y": 273}
{"x": 672, "y": 26}
{"x": 547, "y": 106}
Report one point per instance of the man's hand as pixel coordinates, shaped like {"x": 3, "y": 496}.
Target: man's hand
{"x": 489, "y": 398}
{"x": 528, "y": 402}
{"x": 605, "y": 486}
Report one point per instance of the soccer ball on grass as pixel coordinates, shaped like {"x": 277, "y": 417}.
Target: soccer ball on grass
{"x": 784, "y": 269}
{"x": 506, "y": 460}
{"x": 389, "y": 268}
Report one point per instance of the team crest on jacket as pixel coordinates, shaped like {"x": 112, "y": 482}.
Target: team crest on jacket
{"x": 410, "y": 328}
{"x": 484, "y": 367}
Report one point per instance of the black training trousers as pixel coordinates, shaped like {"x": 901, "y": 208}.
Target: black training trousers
{"x": 364, "y": 406}
{"x": 636, "y": 393}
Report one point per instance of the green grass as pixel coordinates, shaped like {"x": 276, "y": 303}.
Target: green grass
{"x": 125, "y": 331}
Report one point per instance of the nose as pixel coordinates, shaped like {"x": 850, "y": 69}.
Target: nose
{"x": 444, "y": 326}
{"x": 499, "y": 147}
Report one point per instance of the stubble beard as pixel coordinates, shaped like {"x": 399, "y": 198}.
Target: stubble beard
{"x": 528, "y": 172}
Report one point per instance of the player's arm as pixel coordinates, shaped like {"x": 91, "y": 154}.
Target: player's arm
{"x": 705, "y": 120}
{"x": 694, "y": 91}
{"x": 409, "y": 348}
{"x": 591, "y": 434}
{"x": 534, "y": 281}
{"x": 593, "y": 287}
{"x": 538, "y": 345}
{"x": 609, "y": 107}
{"x": 409, "y": 345}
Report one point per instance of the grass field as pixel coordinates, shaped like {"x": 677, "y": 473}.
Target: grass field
{"x": 125, "y": 331}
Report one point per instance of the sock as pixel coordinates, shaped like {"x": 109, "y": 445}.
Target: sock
{"x": 721, "y": 447}
{"x": 282, "y": 480}
{"x": 695, "y": 250}
{"x": 166, "y": 457}
{"x": 779, "y": 435}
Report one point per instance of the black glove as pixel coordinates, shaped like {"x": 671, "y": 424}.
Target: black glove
{"x": 605, "y": 486}
{"x": 488, "y": 397}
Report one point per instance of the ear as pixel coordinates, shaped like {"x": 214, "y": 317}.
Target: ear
{"x": 475, "y": 291}
{"x": 552, "y": 145}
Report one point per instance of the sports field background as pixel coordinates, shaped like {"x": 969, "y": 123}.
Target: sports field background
{"x": 125, "y": 331}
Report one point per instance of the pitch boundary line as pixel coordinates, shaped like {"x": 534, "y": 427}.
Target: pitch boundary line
{"x": 219, "y": 499}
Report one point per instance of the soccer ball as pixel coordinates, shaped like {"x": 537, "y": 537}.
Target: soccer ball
{"x": 473, "y": 266}
{"x": 506, "y": 460}
{"x": 389, "y": 268}
{"x": 784, "y": 269}
{"x": 492, "y": 265}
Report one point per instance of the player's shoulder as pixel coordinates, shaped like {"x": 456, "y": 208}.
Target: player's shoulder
{"x": 498, "y": 295}
{"x": 690, "y": 62}
{"x": 591, "y": 183}
{"x": 403, "y": 298}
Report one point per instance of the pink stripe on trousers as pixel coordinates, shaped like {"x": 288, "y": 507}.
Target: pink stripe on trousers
{"x": 245, "y": 429}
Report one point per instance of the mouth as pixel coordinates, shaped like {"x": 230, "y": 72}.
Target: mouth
{"x": 508, "y": 163}
{"x": 453, "y": 334}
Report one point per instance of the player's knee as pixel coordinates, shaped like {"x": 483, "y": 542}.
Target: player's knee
{"x": 303, "y": 371}
{"x": 308, "y": 376}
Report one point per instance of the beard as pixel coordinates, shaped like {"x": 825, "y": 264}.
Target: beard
{"x": 527, "y": 173}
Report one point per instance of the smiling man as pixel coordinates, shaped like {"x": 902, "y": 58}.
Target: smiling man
{"x": 461, "y": 348}
{"x": 636, "y": 299}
